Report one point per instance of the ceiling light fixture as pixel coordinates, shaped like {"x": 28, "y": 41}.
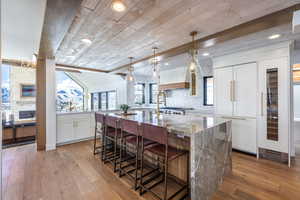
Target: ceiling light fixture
{"x": 118, "y": 5}
{"x": 275, "y": 36}
{"x": 205, "y": 54}
{"x": 130, "y": 76}
{"x": 86, "y": 41}
{"x": 166, "y": 64}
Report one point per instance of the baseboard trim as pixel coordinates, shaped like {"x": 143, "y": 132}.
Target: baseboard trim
{"x": 274, "y": 155}
{"x": 74, "y": 141}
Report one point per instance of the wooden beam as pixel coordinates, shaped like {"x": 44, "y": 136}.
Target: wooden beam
{"x": 18, "y": 63}
{"x": 59, "y": 16}
{"x": 260, "y": 24}
{"x": 81, "y": 68}
{"x": 68, "y": 70}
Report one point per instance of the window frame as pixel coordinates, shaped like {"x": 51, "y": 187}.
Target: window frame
{"x": 144, "y": 98}
{"x": 151, "y": 93}
{"x": 99, "y": 99}
{"x": 205, "y": 78}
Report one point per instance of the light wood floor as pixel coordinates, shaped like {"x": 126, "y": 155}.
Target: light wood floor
{"x": 72, "y": 172}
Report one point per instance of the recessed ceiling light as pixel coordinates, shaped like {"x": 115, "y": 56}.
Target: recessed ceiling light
{"x": 86, "y": 41}
{"x": 275, "y": 36}
{"x": 71, "y": 57}
{"x": 166, "y": 64}
{"x": 118, "y": 5}
{"x": 205, "y": 54}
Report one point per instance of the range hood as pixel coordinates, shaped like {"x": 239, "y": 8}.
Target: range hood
{"x": 177, "y": 78}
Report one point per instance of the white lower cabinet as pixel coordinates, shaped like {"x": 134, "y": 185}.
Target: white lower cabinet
{"x": 244, "y": 135}
{"x": 74, "y": 127}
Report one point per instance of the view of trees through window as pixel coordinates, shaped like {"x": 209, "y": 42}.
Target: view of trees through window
{"x": 70, "y": 95}
{"x": 5, "y": 87}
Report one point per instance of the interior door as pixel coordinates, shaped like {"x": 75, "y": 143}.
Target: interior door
{"x": 245, "y": 90}
{"x": 223, "y": 78}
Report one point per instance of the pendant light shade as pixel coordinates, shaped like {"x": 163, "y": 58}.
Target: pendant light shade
{"x": 118, "y": 5}
{"x": 155, "y": 62}
{"x": 130, "y": 75}
{"x": 193, "y": 67}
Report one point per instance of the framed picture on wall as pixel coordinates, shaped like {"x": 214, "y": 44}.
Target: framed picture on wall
{"x": 27, "y": 90}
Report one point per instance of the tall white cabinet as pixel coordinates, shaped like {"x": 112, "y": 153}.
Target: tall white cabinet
{"x": 235, "y": 99}
{"x": 253, "y": 89}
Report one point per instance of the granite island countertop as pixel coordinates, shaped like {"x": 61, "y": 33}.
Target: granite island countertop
{"x": 181, "y": 125}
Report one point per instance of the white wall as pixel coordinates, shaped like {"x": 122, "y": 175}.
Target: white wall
{"x": 100, "y": 82}
{"x": 181, "y": 97}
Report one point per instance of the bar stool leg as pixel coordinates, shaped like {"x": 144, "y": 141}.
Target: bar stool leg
{"x": 142, "y": 167}
{"x": 95, "y": 139}
{"x": 166, "y": 174}
{"x": 121, "y": 152}
{"x": 104, "y": 145}
{"x": 115, "y": 153}
{"x": 136, "y": 162}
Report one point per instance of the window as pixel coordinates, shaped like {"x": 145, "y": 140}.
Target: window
{"x": 95, "y": 101}
{"x": 139, "y": 93}
{"x": 104, "y": 100}
{"x": 69, "y": 94}
{"x": 208, "y": 83}
{"x": 153, "y": 92}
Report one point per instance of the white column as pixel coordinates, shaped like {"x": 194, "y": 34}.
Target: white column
{"x": 50, "y": 105}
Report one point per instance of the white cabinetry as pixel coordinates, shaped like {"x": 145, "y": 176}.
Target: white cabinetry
{"x": 72, "y": 127}
{"x": 236, "y": 99}
{"x": 274, "y": 117}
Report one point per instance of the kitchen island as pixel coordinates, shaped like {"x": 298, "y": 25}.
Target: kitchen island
{"x": 207, "y": 138}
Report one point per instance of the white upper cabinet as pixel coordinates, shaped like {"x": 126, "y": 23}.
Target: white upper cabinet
{"x": 245, "y": 90}
{"x": 223, "y": 91}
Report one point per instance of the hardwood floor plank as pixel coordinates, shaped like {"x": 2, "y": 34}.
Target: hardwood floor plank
{"x": 72, "y": 172}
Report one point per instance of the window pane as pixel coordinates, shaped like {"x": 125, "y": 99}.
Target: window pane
{"x": 153, "y": 92}
{"x": 70, "y": 94}
{"x": 103, "y": 100}
{"x": 139, "y": 92}
{"x": 112, "y": 100}
{"x": 95, "y": 101}
{"x": 208, "y": 91}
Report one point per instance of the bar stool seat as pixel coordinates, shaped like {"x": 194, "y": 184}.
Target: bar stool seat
{"x": 160, "y": 150}
{"x": 132, "y": 141}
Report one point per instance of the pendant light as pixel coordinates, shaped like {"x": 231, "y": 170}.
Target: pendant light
{"x": 130, "y": 76}
{"x": 118, "y": 5}
{"x": 194, "y": 67}
{"x": 155, "y": 68}
{"x": 194, "y": 63}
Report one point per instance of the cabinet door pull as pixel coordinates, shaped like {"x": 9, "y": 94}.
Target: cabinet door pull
{"x": 262, "y": 104}
{"x": 231, "y": 90}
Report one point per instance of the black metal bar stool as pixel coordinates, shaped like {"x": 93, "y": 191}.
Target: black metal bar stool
{"x": 159, "y": 135}
{"x": 110, "y": 143}
{"x": 99, "y": 132}
{"x": 130, "y": 159}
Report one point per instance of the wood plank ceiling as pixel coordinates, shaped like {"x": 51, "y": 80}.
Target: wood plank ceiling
{"x": 146, "y": 23}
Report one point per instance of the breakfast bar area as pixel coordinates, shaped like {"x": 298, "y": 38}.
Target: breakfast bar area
{"x": 206, "y": 139}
